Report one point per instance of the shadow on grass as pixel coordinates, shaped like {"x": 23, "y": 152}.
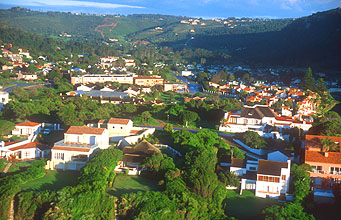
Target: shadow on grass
{"x": 246, "y": 206}
{"x": 132, "y": 184}
{"x": 53, "y": 180}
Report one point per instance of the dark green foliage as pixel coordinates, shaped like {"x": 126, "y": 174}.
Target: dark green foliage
{"x": 289, "y": 211}
{"x": 228, "y": 178}
{"x": 252, "y": 139}
{"x": 158, "y": 164}
{"x": 301, "y": 180}
{"x": 308, "y": 81}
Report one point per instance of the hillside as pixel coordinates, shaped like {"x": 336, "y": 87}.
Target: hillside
{"x": 309, "y": 41}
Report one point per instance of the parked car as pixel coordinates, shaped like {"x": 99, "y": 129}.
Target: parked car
{"x": 47, "y": 131}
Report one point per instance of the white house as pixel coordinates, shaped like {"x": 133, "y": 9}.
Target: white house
{"x": 75, "y": 149}
{"x": 267, "y": 178}
{"x": 272, "y": 178}
{"x": 250, "y": 118}
{"x": 117, "y": 127}
{"x": 26, "y": 128}
{"x": 22, "y": 150}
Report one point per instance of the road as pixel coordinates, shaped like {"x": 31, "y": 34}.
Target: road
{"x": 10, "y": 88}
{"x": 193, "y": 87}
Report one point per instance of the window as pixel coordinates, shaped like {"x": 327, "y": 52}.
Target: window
{"x": 59, "y": 156}
{"x": 335, "y": 170}
{"x": 260, "y": 178}
{"x": 121, "y": 127}
{"x": 276, "y": 180}
{"x": 284, "y": 177}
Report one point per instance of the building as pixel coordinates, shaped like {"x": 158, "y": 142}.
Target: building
{"x": 22, "y": 150}
{"x": 85, "y": 79}
{"x": 326, "y": 165}
{"x": 115, "y": 126}
{"x": 148, "y": 81}
{"x": 79, "y": 143}
{"x": 251, "y": 118}
{"x": 26, "y": 128}
{"x": 272, "y": 178}
{"x": 175, "y": 87}
{"x": 266, "y": 178}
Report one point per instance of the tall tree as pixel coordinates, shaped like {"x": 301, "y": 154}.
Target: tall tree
{"x": 308, "y": 81}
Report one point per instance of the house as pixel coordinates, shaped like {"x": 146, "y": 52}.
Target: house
{"x": 115, "y": 126}
{"x": 134, "y": 156}
{"x": 148, "y": 81}
{"x": 272, "y": 178}
{"x": 79, "y": 143}
{"x": 326, "y": 166}
{"x": 175, "y": 87}
{"x": 251, "y": 118}
{"x": 26, "y": 128}
{"x": 280, "y": 155}
{"x": 23, "y": 150}
{"x": 4, "y": 99}
{"x": 267, "y": 178}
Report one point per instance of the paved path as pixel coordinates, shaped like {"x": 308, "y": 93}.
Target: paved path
{"x": 10, "y": 88}
{"x": 6, "y": 169}
{"x": 11, "y": 211}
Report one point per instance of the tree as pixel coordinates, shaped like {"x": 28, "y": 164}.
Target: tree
{"x": 308, "y": 81}
{"x": 321, "y": 86}
{"x": 252, "y": 139}
{"x": 301, "y": 180}
{"x": 232, "y": 77}
{"x": 189, "y": 117}
{"x": 158, "y": 164}
{"x": 228, "y": 178}
{"x": 290, "y": 211}
{"x": 146, "y": 115}
{"x": 168, "y": 128}
{"x": 328, "y": 144}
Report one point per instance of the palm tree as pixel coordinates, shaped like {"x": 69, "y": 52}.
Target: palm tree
{"x": 328, "y": 144}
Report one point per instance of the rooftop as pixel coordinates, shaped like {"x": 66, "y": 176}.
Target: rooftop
{"x": 84, "y": 130}
{"x": 273, "y": 168}
{"x": 28, "y": 124}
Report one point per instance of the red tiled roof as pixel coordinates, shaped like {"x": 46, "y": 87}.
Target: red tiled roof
{"x": 28, "y": 123}
{"x": 120, "y": 121}
{"x": 10, "y": 143}
{"x": 317, "y": 156}
{"x": 84, "y": 130}
{"x": 80, "y": 149}
{"x": 314, "y": 140}
{"x": 28, "y": 146}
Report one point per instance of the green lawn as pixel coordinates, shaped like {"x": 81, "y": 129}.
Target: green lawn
{"x": 131, "y": 184}
{"x": 247, "y": 205}
{"x": 19, "y": 166}
{"x": 53, "y": 180}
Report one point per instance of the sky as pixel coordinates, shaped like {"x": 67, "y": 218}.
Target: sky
{"x": 190, "y": 8}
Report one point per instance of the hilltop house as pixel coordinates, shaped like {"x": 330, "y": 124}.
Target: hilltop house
{"x": 75, "y": 149}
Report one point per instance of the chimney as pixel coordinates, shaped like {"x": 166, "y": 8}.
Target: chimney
{"x": 326, "y": 154}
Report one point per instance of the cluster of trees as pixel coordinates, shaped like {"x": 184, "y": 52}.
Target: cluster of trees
{"x": 192, "y": 189}
{"x": 87, "y": 200}
{"x": 253, "y": 139}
